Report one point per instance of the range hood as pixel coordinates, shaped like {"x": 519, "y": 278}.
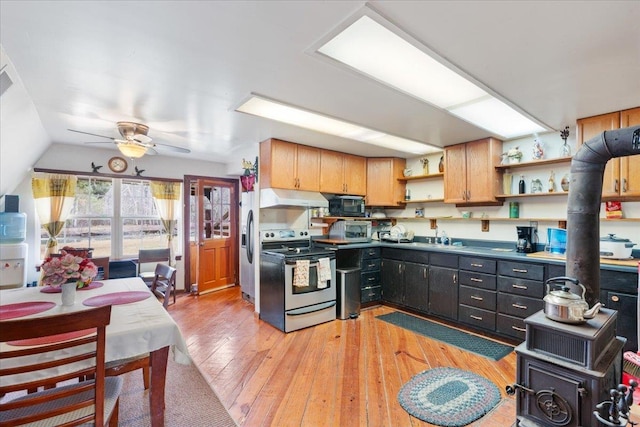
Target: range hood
{"x": 279, "y": 198}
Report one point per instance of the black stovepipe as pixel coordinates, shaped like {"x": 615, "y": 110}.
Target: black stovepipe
{"x": 583, "y": 204}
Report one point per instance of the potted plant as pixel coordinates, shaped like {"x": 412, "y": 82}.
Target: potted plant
{"x": 514, "y": 155}
{"x": 249, "y": 177}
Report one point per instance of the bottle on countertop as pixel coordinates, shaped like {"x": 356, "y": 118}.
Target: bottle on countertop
{"x": 521, "y": 185}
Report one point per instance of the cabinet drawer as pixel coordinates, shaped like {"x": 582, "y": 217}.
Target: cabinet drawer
{"x": 371, "y": 294}
{"x": 478, "y": 264}
{"x": 478, "y": 280}
{"x": 369, "y": 253}
{"x": 444, "y": 260}
{"x": 479, "y": 298}
{"x": 519, "y": 306}
{"x": 511, "y": 326}
{"x": 480, "y": 318}
{"x": 521, "y": 269}
{"x": 370, "y": 279}
{"x": 419, "y": 257}
{"x": 393, "y": 253}
{"x": 527, "y": 288}
{"x": 371, "y": 264}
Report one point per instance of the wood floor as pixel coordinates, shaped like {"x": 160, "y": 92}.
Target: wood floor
{"x": 341, "y": 373}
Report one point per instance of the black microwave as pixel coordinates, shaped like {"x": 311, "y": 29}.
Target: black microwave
{"x": 346, "y": 206}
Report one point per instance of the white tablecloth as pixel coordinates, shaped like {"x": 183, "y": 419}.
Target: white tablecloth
{"x": 136, "y": 328}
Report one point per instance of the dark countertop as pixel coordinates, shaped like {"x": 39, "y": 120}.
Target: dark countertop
{"x": 498, "y": 250}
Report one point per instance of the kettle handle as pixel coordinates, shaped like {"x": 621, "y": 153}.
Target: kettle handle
{"x": 563, "y": 279}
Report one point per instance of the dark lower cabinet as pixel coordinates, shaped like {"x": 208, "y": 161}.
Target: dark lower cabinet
{"x": 392, "y": 281}
{"x": 443, "y": 292}
{"x": 416, "y": 286}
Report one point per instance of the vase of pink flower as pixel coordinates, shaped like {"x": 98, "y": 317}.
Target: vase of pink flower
{"x": 68, "y": 272}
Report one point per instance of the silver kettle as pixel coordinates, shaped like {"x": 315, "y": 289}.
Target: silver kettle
{"x": 564, "y": 306}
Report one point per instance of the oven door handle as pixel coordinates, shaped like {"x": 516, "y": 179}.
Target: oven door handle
{"x": 311, "y": 264}
{"x": 312, "y": 309}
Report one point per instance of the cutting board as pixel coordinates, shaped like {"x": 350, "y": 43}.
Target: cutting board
{"x": 631, "y": 262}
{"x": 332, "y": 241}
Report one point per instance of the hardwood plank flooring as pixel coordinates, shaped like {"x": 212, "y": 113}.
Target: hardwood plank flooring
{"x": 341, "y": 373}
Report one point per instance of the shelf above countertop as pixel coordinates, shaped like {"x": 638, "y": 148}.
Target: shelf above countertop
{"x": 418, "y": 177}
{"x": 534, "y": 163}
{"x": 552, "y": 193}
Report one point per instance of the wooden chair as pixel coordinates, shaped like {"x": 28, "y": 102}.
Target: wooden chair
{"x": 92, "y": 401}
{"x": 164, "y": 283}
{"x": 147, "y": 256}
{"x": 102, "y": 263}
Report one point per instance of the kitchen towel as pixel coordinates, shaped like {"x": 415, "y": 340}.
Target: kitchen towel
{"x": 324, "y": 272}
{"x": 301, "y": 274}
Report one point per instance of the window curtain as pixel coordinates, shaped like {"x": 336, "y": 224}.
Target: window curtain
{"x": 167, "y": 199}
{"x": 54, "y": 196}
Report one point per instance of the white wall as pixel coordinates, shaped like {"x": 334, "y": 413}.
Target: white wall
{"x": 79, "y": 158}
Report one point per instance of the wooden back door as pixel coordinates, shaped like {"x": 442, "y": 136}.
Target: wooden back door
{"x": 214, "y": 221}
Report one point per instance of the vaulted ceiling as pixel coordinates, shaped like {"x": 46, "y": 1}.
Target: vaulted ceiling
{"x": 182, "y": 67}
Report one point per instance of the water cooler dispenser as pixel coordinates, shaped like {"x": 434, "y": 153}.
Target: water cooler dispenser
{"x": 13, "y": 249}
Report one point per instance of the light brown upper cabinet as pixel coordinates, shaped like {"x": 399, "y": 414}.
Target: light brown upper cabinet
{"x": 287, "y": 165}
{"x": 383, "y": 186}
{"x": 470, "y": 176}
{"x": 621, "y": 175}
{"x": 342, "y": 173}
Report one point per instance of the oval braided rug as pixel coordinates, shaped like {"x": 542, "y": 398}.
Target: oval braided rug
{"x": 448, "y": 396}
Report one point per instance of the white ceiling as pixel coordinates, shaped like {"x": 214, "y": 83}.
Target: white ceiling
{"x": 183, "y": 67}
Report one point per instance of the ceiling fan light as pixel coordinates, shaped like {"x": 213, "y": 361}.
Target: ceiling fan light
{"x": 132, "y": 150}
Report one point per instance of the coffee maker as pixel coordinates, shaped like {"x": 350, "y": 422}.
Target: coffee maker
{"x": 527, "y": 239}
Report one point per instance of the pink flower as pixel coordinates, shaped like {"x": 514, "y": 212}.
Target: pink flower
{"x": 67, "y": 267}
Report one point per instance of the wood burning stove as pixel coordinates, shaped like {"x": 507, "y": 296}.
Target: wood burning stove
{"x": 564, "y": 371}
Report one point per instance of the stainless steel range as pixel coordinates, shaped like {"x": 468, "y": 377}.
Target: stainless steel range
{"x": 297, "y": 281}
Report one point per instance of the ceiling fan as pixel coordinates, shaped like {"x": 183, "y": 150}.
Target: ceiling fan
{"x": 134, "y": 142}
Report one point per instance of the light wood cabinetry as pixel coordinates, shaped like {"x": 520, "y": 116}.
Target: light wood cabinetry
{"x": 287, "y": 165}
{"x": 470, "y": 177}
{"x": 621, "y": 175}
{"x": 342, "y": 173}
{"x": 383, "y": 185}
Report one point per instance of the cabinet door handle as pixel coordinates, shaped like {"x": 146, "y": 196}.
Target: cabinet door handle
{"x": 455, "y": 278}
{"x": 477, "y": 298}
{"x": 473, "y": 264}
{"x": 521, "y": 307}
{"x": 475, "y": 317}
{"x": 615, "y": 298}
{"x": 624, "y": 185}
{"x": 371, "y": 265}
{"x": 371, "y": 279}
{"x": 518, "y": 329}
{"x": 516, "y": 286}
{"x": 424, "y": 273}
{"x": 519, "y": 270}
{"x": 616, "y": 188}
{"x": 473, "y": 279}
{"x": 399, "y": 268}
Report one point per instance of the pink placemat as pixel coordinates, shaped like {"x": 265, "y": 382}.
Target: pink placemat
{"x": 53, "y": 338}
{"x": 21, "y": 309}
{"x": 57, "y": 289}
{"x": 116, "y": 298}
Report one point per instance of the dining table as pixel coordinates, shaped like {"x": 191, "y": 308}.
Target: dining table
{"x": 139, "y": 325}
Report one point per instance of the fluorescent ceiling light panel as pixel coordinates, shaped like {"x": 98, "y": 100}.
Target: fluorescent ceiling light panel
{"x": 374, "y": 50}
{"x": 497, "y": 117}
{"x": 379, "y": 53}
{"x": 280, "y": 112}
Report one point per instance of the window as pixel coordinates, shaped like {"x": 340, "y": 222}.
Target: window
{"x": 115, "y": 217}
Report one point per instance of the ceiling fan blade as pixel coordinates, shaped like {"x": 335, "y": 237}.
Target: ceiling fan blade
{"x": 143, "y": 139}
{"x": 92, "y": 134}
{"x": 98, "y": 142}
{"x": 174, "y": 148}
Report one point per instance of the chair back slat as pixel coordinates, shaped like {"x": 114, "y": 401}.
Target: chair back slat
{"x": 23, "y": 368}
{"x": 103, "y": 267}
